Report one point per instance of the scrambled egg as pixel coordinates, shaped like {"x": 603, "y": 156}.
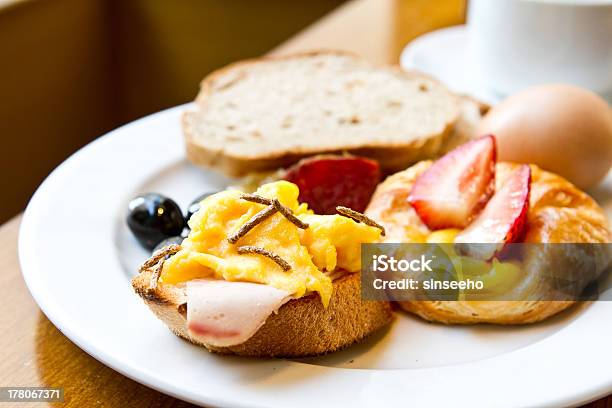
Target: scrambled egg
{"x": 331, "y": 242}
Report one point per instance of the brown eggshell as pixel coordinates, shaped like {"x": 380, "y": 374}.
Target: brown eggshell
{"x": 561, "y": 128}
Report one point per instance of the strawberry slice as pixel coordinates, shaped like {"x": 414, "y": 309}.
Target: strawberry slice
{"x": 503, "y": 219}
{"x": 458, "y": 185}
{"x": 328, "y": 181}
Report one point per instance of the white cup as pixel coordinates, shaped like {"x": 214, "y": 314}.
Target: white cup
{"x": 519, "y": 43}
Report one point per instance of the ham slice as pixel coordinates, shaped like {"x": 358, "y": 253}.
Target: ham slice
{"x": 222, "y": 313}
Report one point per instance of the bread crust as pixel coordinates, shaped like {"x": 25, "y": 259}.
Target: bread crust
{"x": 391, "y": 156}
{"x": 302, "y": 327}
{"x": 558, "y": 213}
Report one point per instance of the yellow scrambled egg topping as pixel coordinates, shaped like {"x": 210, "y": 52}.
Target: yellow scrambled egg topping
{"x": 331, "y": 242}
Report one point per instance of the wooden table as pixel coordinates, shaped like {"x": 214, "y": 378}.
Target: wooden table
{"x": 35, "y": 353}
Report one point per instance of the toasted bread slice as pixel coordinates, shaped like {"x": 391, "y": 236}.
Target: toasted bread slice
{"x": 268, "y": 113}
{"x": 471, "y": 112}
{"x": 302, "y": 327}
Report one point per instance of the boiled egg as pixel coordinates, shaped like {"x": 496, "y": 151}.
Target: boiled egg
{"x": 561, "y": 128}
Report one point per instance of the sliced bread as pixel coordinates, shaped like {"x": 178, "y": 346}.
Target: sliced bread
{"x": 471, "y": 112}
{"x": 267, "y": 113}
{"x": 302, "y": 327}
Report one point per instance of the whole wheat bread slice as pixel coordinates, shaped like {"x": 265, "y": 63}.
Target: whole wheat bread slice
{"x": 302, "y": 327}
{"x": 267, "y": 113}
{"x": 471, "y": 112}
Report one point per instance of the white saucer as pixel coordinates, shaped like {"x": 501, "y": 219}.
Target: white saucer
{"x": 444, "y": 54}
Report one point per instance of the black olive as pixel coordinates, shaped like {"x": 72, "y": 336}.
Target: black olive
{"x": 153, "y": 217}
{"x": 195, "y": 205}
{"x": 169, "y": 241}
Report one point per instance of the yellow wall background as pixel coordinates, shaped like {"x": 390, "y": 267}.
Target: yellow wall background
{"x": 71, "y": 70}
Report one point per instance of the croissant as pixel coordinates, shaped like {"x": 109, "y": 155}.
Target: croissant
{"x": 558, "y": 213}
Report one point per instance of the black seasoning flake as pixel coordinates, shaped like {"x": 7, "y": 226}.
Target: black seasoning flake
{"x": 158, "y": 255}
{"x": 288, "y": 214}
{"x": 261, "y": 251}
{"x": 252, "y": 223}
{"x": 359, "y": 217}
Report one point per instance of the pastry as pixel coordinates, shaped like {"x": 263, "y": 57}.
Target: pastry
{"x": 555, "y": 212}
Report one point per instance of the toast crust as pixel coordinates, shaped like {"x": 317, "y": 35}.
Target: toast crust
{"x": 392, "y": 156}
{"x": 302, "y": 327}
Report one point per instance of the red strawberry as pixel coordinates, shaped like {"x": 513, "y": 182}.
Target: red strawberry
{"x": 503, "y": 219}
{"x": 452, "y": 191}
{"x": 329, "y": 181}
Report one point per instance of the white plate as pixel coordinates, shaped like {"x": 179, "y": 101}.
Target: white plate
{"x": 77, "y": 257}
